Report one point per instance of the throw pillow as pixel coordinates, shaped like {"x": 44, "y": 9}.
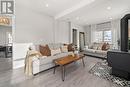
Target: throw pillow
{"x": 71, "y": 47}
{"x": 64, "y": 48}
{"x": 95, "y": 46}
{"x": 90, "y": 46}
{"x": 100, "y": 46}
{"x": 55, "y": 51}
{"x": 107, "y": 46}
{"x": 45, "y": 50}
{"x": 104, "y": 46}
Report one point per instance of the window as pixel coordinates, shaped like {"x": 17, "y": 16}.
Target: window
{"x": 98, "y": 36}
{"x": 103, "y": 36}
{"x": 103, "y": 32}
{"x": 107, "y": 36}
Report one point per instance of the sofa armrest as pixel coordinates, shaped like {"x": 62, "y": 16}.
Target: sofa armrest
{"x": 36, "y": 64}
{"x": 35, "y": 59}
{"x": 119, "y": 60}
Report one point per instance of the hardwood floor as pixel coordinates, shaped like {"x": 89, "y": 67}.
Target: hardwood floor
{"x": 5, "y": 64}
{"x": 76, "y": 76}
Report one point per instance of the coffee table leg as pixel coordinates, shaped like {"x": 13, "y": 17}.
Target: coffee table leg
{"x": 63, "y": 72}
{"x": 54, "y": 69}
{"x": 83, "y": 62}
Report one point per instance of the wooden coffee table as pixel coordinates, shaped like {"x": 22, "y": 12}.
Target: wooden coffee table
{"x": 67, "y": 60}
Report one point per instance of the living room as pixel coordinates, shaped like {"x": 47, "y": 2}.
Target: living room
{"x": 59, "y": 33}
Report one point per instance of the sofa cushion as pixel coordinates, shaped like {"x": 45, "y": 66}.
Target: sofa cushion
{"x": 90, "y": 50}
{"x": 55, "y": 51}
{"x": 55, "y": 45}
{"x": 45, "y": 50}
{"x": 64, "y": 49}
{"x": 51, "y": 45}
{"x": 50, "y": 59}
{"x": 101, "y": 52}
{"x": 95, "y": 46}
{"x": 90, "y": 46}
{"x": 63, "y": 54}
{"x": 47, "y": 60}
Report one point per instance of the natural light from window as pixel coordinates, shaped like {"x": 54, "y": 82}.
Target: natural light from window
{"x": 103, "y": 36}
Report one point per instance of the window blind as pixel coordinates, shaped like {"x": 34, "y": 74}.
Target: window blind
{"x": 103, "y": 26}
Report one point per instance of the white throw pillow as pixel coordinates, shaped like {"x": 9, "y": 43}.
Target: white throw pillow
{"x": 55, "y": 51}
{"x": 64, "y": 49}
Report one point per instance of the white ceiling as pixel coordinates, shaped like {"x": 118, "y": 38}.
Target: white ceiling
{"x": 82, "y": 12}
{"x": 97, "y": 12}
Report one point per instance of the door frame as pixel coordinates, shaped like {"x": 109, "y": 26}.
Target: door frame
{"x": 73, "y": 36}
{"x": 80, "y": 40}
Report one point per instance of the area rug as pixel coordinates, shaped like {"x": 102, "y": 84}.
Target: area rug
{"x": 102, "y": 70}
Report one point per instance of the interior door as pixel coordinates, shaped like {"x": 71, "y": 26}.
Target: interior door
{"x": 81, "y": 41}
{"x": 75, "y": 37}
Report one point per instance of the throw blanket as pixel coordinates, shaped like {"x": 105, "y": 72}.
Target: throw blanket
{"x": 31, "y": 54}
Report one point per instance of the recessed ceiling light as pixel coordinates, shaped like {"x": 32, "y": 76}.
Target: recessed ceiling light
{"x": 110, "y": 18}
{"x": 47, "y": 5}
{"x": 108, "y": 8}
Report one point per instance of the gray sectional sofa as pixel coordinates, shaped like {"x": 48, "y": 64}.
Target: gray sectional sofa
{"x": 95, "y": 50}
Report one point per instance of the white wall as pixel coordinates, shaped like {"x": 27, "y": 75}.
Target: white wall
{"x": 34, "y": 26}
{"x": 88, "y": 34}
{"x": 61, "y": 31}
{"x": 3, "y": 34}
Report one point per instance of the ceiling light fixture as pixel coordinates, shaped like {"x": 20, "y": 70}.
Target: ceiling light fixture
{"x": 47, "y": 5}
{"x": 108, "y": 8}
{"x": 110, "y": 18}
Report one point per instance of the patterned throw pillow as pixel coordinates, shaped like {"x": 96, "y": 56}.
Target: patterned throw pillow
{"x": 71, "y": 47}
{"x": 107, "y": 46}
{"x": 104, "y": 46}
{"x": 55, "y": 51}
{"x": 45, "y": 50}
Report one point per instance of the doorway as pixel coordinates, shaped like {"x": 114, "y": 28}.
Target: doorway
{"x": 81, "y": 41}
{"x": 74, "y": 38}
{"x": 5, "y": 43}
